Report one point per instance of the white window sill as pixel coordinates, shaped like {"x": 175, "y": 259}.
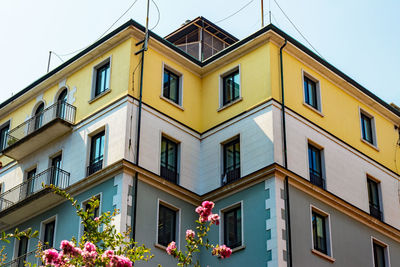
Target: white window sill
{"x": 230, "y": 104}
{"x": 322, "y": 255}
{"x": 172, "y": 102}
{"x": 99, "y": 96}
{"x": 370, "y": 145}
{"x": 239, "y": 248}
{"x": 313, "y": 109}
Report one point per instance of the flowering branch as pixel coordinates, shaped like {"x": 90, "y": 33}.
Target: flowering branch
{"x": 195, "y": 241}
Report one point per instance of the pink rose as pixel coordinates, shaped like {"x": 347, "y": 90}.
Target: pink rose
{"x": 171, "y": 249}
{"x": 209, "y": 205}
{"x": 190, "y": 234}
{"x": 89, "y": 247}
{"x": 50, "y": 257}
{"x": 222, "y": 251}
{"x": 69, "y": 248}
{"x": 214, "y": 219}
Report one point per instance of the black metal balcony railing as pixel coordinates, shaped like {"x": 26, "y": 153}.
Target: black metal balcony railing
{"x": 95, "y": 166}
{"x": 230, "y": 176}
{"x": 61, "y": 110}
{"x": 20, "y": 261}
{"x": 375, "y": 212}
{"x": 53, "y": 175}
{"x": 169, "y": 175}
{"x": 316, "y": 178}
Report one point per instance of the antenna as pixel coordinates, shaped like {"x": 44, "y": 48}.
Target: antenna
{"x": 270, "y": 13}
{"x": 262, "y": 13}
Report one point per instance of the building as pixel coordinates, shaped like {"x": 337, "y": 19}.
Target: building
{"x": 300, "y": 159}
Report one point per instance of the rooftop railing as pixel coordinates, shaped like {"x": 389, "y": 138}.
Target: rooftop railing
{"x": 61, "y": 110}
{"x": 53, "y": 175}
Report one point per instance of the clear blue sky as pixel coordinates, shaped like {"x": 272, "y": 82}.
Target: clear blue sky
{"x": 360, "y": 37}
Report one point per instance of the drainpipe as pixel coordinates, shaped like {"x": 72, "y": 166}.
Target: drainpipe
{"x": 286, "y": 184}
{"x": 141, "y": 51}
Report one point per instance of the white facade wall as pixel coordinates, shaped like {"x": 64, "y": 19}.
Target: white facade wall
{"x": 256, "y": 146}
{"x": 154, "y": 126}
{"x": 345, "y": 169}
{"x": 75, "y": 147}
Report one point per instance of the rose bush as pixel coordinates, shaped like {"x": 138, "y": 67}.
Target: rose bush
{"x": 195, "y": 241}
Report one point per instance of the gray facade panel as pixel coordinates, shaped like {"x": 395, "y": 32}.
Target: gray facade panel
{"x": 351, "y": 240}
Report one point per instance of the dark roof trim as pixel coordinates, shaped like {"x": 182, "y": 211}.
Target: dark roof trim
{"x": 209, "y": 60}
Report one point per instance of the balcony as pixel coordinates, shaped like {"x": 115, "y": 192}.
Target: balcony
{"x": 169, "y": 175}
{"x": 316, "y": 178}
{"x": 20, "y": 261}
{"x": 230, "y": 176}
{"x": 30, "y": 197}
{"x": 375, "y": 211}
{"x": 40, "y": 130}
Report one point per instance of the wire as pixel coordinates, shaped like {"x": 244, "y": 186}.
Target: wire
{"x": 243, "y": 7}
{"x": 159, "y": 15}
{"x": 297, "y": 29}
{"x": 129, "y": 8}
{"x": 57, "y": 56}
{"x": 277, "y": 23}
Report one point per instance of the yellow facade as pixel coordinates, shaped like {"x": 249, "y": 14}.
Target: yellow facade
{"x": 260, "y": 81}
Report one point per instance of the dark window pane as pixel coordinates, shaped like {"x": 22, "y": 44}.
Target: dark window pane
{"x": 319, "y": 232}
{"x": 55, "y": 174}
{"x": 315, "y": 166}
{"x": 373, "y": 196}
{"x": 39, "y": 116}
{"x": 231, "y": 161}
{"x": 169, "y": 160}
{"x": 3, "y": 136}
{"x": 379, "y": 256}
{"x": 49, "y": 233}
{"x": 310, "y": 90}
{"x": 96, "y": 153}
{"x": 22, "y": 251}
{"x": 171, "y": 86}
{"x": 366, "y": 128}
{"x": 233, "y": 227}
{"x": 102, "y": 78}
{"x": 166, "y": 225}
{"x": 231, "y": 87}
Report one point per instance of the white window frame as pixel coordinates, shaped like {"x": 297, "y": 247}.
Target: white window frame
{"x": 318, "y": 92}
{"x": 373, "y": 130}
{"x": 93, "y": 95}
{"x": 178, "y": 223}
{"x": 180, "y": 75}
{"x": 221, "y": 87}
{"x": 83, "y": 203}
{"x": 327, "y": 230}
{"x": 221, "y": 228}
{"x": 383, "y": 244}
{"x": 42, "y": 228}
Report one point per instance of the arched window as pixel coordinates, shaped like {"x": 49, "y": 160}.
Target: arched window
{"x": 61, "y": 102}
{"x": 39, "y": 116}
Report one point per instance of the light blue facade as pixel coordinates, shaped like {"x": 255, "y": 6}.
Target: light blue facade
{"x": 67, "y": 221}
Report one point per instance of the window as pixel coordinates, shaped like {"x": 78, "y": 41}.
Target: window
{"x": 102, "y": 78}
{"x": 319, "y": 232}
{"x": 96, "y": 211}
{"x": 31, "y": 181}
{"x": 166, "y": 225}
{"x": 96, "y": 153}
{"x": 315, "y": 166}
{"x": 61, "y": 104}
{"x": 38, "y": 119}
{"x": 49, "y": 233}
{"x": 379, "y": 254}
{"x": 232, "y": 223}
{"x": 22, "y": 250}
{"x": 231, "y": 152}
{"x": 230, "y": 87}
{"x": 169, "y": 160}
{"x": 311, "y": 92}
{"x": 3, "y": 135}
{"x": 171, "y": 86}
{"x": 367, "y": 128}
{"x": 55, "y": 170}
{"x": 373, "y": 196}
